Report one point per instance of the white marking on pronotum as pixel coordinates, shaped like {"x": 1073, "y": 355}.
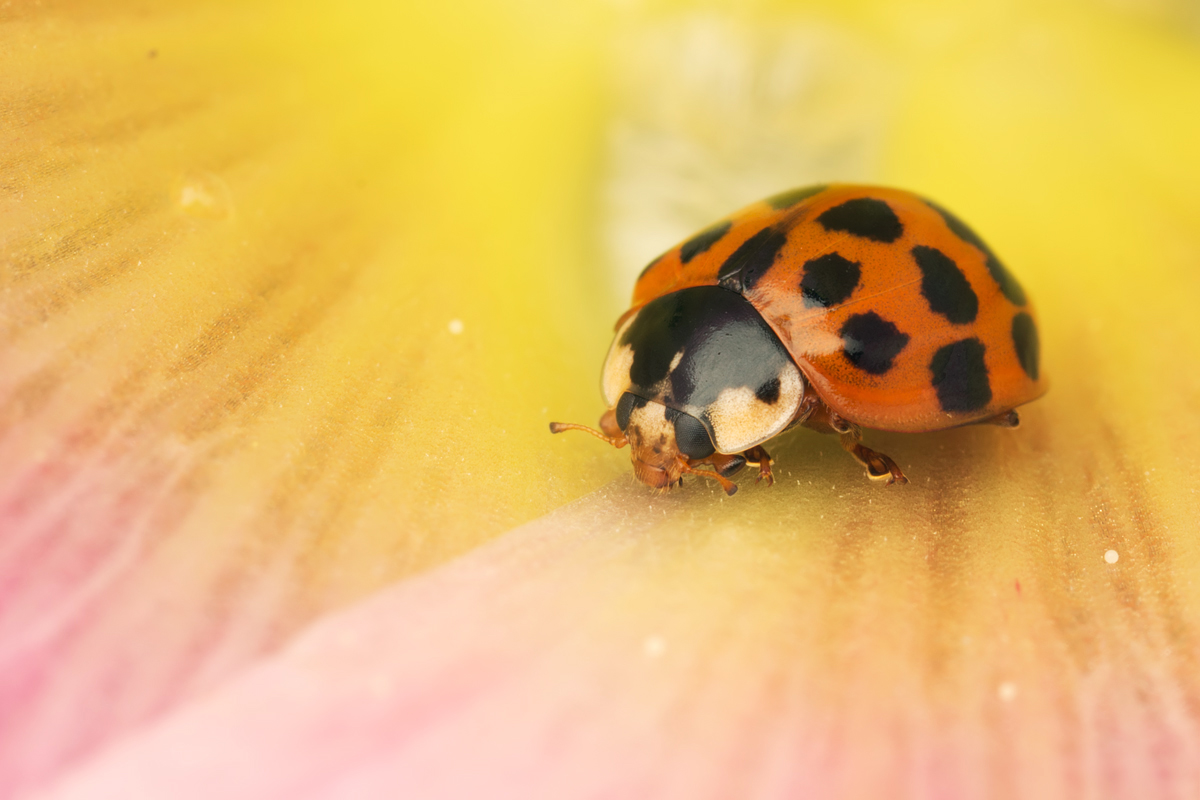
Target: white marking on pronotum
{"x": 740, "y": 420}
{"x": 616, "y": 373}
{"x": 615, "y": 377}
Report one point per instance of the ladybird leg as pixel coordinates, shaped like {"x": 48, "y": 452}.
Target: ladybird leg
{"x": 1009, "y": 419}
{"x": 757, "y": 456}
{"x": 727, "y": 465}
{"x": 729, "y": 486}
{"x": 879, "y": 467}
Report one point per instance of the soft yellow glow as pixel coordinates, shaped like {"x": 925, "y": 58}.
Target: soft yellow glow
{"x": 289, "y": 293}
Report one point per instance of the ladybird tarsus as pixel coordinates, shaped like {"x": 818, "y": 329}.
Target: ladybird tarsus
{"x": 1009, "y": 419}
{"x": 879, "y": 466}
{"x": 757, "y": 456}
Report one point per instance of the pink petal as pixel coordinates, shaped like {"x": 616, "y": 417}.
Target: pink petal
{"x": 218, "y": 424}
{"x": 581, "y": 656}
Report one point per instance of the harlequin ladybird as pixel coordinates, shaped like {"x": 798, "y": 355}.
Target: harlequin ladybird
{"x": 834, "y": 307}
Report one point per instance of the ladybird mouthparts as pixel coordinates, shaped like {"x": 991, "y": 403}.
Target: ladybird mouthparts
{"x": 652, "y": 476}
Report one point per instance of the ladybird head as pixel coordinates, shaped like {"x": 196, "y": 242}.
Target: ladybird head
{"x": 664, "y": 444}
{"x": 653, "y": 447}
{"x": 695, "y": 372}
{"x": 655, "y": 434}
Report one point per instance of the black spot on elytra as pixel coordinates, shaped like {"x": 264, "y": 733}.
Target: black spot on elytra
{"x": 829, "y": 280}
{"x": 790, "y": 198}
{"x": 871, "y": 343}
{"x": 626, "y": 406}
{"x": 1008, "y": 284}
{"x": 945, "y": 287}
{"x": 703, "y": 240}
{"x": 768, "y": 392}
{"x": 691, "y": 437}
{"x": 751, "y": 261}
{"x": 864, "y": 216}
{"x": 960, "y": 376}
{"x": 1025, "y": 339}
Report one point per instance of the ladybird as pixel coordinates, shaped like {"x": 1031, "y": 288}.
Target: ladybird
{"x": 835, "y": 307}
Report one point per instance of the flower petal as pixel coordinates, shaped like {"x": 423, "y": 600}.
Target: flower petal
{"x": 232, "y": 391}
{"x": 285, "y": 310}
{"x": 624, "y": 648}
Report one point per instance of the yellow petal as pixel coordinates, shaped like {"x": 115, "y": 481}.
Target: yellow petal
{"x": 289, "y": 294}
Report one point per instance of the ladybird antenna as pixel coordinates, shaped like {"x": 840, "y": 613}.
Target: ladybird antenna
{"x": 559, "y": 427}
{"x": 729, "y": 486}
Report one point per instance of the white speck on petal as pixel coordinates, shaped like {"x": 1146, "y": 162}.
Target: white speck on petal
{"x": 204, "y": 195}
{"x": 1111, "y": 556}
{"x": 1007, "y": 691}
{"x": 456, "y": 326}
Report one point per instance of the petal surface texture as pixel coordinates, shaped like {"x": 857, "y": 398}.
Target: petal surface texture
{"x": 290, "y": 291}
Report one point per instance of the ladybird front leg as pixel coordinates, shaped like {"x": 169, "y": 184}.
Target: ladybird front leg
{"x": 689, "y": 465}
{"x": 757, "y": 456}
{"x": 879, "y": 467}
{"x": 727, "y": 465}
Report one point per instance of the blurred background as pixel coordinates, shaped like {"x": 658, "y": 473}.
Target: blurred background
{"x": 289, "y": 292}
